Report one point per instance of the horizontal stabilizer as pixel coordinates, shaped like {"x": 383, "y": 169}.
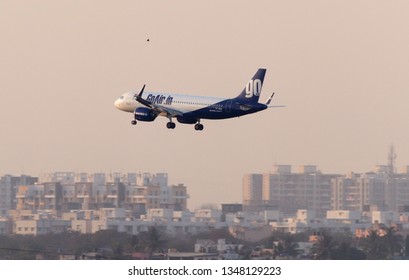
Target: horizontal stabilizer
{"x": 269, "y": 99}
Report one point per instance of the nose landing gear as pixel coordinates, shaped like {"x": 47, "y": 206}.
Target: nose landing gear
{"x": 133, "y": 122}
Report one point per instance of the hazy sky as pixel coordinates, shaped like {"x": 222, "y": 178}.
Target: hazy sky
{"x": 340, "y": 67}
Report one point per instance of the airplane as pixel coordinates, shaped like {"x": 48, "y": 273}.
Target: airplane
{"x": 188, "y": 109}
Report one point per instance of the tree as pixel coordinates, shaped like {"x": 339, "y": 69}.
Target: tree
{"x": 393, "y": 241}
{"x": 118, "y": 251}
{"x": 375, "y": 247}
{"x": 289, "y": 246}
{"x": 407, "y": 246}
{"x": 345, "y": 251}
{"x": 379, "y": 247}
{"x": 284, "y": 244}
{"x": 324, "y": 247}
{"x": 152, "y": 240}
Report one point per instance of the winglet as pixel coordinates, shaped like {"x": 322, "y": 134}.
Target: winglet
{"x": 143, "y": 88}
{"x": 141, "y": 100}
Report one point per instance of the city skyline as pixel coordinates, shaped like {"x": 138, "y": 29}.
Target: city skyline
{"x": 340, "y": 68}
{"x": 195, "y": 201}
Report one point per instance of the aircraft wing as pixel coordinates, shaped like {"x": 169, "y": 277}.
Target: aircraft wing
{"x": 159, "y": 109}
{"x": 165, "y": 110}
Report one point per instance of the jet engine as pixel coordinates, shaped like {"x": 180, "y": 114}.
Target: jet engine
{"x": 145, "y": 114}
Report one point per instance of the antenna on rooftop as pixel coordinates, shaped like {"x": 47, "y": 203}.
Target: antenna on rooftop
{"x": 391, "y": 160}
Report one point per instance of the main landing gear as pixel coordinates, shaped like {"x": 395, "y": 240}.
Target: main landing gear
{"x": 171, "y": 125}
{"x": 199, "y": 126}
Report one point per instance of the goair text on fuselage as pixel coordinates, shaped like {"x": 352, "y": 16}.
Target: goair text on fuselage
{"x": 160, "y": 99}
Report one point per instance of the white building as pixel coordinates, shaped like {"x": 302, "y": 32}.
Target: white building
{"x": 344, "y": 215}
{"x": 287, "y": 192}
{"x": 65, "y": 178}
{"x": 208, "y": 215}
{"x": 159, "y": 214}
{"x": 385, "y": 217}
{"x": 37, "y": 224}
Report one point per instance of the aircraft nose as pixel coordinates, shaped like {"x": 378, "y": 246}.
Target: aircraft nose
{"x": 118, "y": 103}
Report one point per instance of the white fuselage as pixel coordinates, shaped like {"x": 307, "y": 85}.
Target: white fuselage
{"x": 180, "y": 102}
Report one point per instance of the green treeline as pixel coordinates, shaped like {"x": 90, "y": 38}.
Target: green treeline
{"x": 109, "y": 244}
{"x": 106, "y": 244}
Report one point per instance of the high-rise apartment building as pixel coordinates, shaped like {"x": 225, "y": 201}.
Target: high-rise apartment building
{"x": 346, "y": 194}
{"x": 252, "y": 192}
{"x": 6, "y": 194}
{"x": 287, "y": 192}
{"x": 8, "y": 190}
{"x": 114, "y": 190}
{"x": 378, "y": 190}
{"x": 307, "y": 189}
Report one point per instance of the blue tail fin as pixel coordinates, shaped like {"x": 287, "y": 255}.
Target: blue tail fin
{"x": 253, "y": 88}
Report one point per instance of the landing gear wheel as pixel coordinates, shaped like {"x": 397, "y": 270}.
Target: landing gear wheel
{"x": 171, "y": 125}
{"x": 199, "y": 126}
{"x": 133, "y": 122}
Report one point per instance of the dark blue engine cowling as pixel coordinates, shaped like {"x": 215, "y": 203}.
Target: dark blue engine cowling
{"x": 186, "y": 120}
{"x": 144, "y": 114}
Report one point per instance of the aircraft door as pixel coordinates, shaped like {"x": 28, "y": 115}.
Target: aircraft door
{"x": 228, "y": 106}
